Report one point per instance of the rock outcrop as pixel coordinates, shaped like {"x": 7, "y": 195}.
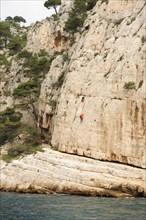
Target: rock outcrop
{"x": 55, "y": 172}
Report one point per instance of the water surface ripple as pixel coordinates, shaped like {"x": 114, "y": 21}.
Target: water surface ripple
{"x": 15, "y": 206}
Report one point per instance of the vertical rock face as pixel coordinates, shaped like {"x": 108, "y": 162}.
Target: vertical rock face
{"x": 48, "y": 34}
{"x": 106, "y": 57}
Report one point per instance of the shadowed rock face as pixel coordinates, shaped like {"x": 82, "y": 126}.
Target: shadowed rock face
{"x": 55, "y": 172}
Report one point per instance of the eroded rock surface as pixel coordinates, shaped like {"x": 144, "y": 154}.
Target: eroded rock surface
{"x": 109, "y": 53}
{"x": 56, "y": 172}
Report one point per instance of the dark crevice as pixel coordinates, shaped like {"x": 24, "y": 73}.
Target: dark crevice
{"x": 102, "y": 160}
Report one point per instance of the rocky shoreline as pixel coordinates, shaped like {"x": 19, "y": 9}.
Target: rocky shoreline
{"x": 53, "y": 172}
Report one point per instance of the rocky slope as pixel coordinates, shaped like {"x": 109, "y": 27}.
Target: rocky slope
{"x": 91, "y": 74}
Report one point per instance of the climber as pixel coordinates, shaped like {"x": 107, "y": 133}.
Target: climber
{"x": 81, "y": 117}
{"x": 82, "y": 100}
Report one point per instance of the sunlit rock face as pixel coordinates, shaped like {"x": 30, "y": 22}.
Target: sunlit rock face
{"x": 54, "y": 172}
{"x": 48, "y": 34}
{"x": 108, "y": 53}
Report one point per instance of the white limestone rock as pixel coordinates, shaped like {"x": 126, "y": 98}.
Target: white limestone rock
{"x": 54, "y": 172}
{"x": 104, "y": 57}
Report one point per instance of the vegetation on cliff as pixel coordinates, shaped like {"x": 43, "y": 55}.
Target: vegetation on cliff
{"x": 11, "y": 37}
{"x": 21, "y": 138}
{"x": 17, "y": 19}
{"x": 4, "y": 61}
{"x": 78, "y": 14}
{"x": 31, "y": 70}
{"x": 9, "y": 125}
{"x": 52, "y": 3}
{"x": 24, "y": 139}
{"x": 35, "y": 66}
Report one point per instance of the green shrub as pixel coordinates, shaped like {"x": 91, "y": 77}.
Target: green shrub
{"x": 7, "y": 112}
{"x": 22, "y": 106}
{"x": 8, "y": 158}
{"x": 42, "y": 66}
{"x": 10, "y": 130}
{"x": 65, "y": 57}
{"x": 34, "y": 137}
{"x": 9, "y": 125}
{"x": 91, "y": 4}
{"x": 59, "y": 82}
{"x": 74, "y": 22}
{"x": 80, "y": 6}
{"x": 77, "y": 16}
{"x": 130, "y": 85}
{"x": 1, "y": 43}
{"x": 15, "y": 151}
{"x": 16, "y": 44}
{"x": 37, "y": 67}
{"x": 4, "y": 61}
{"x": 42, "y": 53}
{"x": 24, "y": 54}
{"x": 3, "y": 138}
{"x": 55, "y": 17}
{"x": 5, "y": 32}
{"x": 52, "y": 103}
{"x": 15, "y": 25}
{"x": 2, "y": 120}
{"x": 15, "y": 117}
{"x": 25, "y": 89}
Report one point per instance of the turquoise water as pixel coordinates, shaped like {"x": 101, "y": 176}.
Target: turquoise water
{"x": 66, "y": 207}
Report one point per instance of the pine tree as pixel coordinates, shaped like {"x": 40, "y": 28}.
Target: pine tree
{"x": 52, "y": 3}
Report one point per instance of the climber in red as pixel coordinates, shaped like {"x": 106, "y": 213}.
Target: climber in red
{"x": 81, "y": 117}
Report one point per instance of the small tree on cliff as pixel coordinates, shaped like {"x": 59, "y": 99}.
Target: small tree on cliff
{"x": 52, "y": 3}
{"x": 5, "y": 32}
{"x": 77, "y": 16}
{"x": 19, "y": 19}
{"x": 28, "y": 92}
{"x": 9, "y": 19}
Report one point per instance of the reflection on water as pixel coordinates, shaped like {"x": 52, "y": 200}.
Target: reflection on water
{"x": 66, "y": 207}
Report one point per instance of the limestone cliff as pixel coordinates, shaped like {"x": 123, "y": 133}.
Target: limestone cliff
{"x": 99, "y": 72}
{"x": 108, "y": 53}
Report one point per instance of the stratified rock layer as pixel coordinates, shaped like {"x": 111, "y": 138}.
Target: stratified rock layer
{"x": 52, "y": 171}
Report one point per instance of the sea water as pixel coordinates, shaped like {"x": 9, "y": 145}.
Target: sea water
{"x": 67, "y": 207}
